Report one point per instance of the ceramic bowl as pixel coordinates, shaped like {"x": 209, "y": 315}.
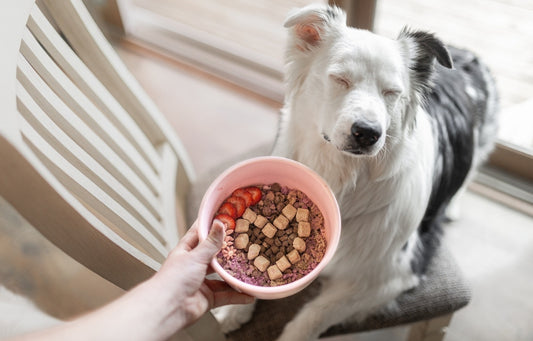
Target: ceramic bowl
{"x": 267, "y": 170}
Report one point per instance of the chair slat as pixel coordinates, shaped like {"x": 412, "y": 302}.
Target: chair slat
{"x": 168, "y": 194}
{"x": 46, "y": 204}
{"x": 92, "y": 196}
{"x": 86, "y": 110}
{"x": 83, "y": 35}
{"x": 80, "y": 159}
{"x": 90, "y": 85}
{"x": 83, "y": 135}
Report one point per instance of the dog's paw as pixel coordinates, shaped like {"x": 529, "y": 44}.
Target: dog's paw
{"x": 293, "y": 332}
{"x": 232, "y": 317}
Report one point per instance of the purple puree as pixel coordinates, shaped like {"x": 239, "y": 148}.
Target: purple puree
{"x": 274, "y": 199}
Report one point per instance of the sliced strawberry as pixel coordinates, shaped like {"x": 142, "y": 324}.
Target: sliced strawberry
{"x": 239, "y": 204}
{"x": 256, "y": 194}
{"x": 242, "y": 193}
{"x": 227, "y": 220}
{"x": 228, "y": 209}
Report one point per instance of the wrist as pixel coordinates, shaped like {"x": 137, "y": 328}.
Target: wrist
{"x": 165, "y": 303}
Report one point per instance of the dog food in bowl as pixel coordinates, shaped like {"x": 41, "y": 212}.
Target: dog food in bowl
{"x": 274, "y": 235}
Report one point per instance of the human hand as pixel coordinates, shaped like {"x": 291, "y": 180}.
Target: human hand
{"x": 187, "y": 266}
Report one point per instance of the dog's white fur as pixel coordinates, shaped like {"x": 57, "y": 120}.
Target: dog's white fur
{"x": 337, "y": 76}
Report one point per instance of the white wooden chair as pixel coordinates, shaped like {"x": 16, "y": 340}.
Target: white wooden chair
{"x": 85, "y": 156}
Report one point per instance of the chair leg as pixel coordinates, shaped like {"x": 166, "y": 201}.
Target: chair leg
{"x": 430, "y": 330}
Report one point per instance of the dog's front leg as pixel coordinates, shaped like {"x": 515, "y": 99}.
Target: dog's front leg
{"x": 328, "y": 308}
{"x": 337, "y": 303}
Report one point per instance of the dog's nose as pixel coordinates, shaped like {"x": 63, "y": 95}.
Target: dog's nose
{"x": 365, "y": 134}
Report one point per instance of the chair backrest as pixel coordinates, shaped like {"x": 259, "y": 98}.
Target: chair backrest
{"x": 85, "y": 156}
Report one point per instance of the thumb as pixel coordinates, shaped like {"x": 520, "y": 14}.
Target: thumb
{"x": 205, "y": 251}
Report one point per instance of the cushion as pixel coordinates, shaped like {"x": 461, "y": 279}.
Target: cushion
{"x": 442, "y": 291}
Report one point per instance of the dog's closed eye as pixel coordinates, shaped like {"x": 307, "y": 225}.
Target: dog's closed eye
{"x": 341, "y": 81}
{"x": 391, "y": 93}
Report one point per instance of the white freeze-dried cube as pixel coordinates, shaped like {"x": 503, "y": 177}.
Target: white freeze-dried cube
{"x": 241, "y": 241}
{"x": 269, "y": 230}
{"x": 241, "y": 225}
{"x": 253, "y": 251}
{"x": 281, "y": 222}
{"x": 299, "y": 244}
{"x": 302, "y": 214}
{"x": 293, "y": 256}
{"x": 283, "y": 263}
{"x": 261, "y": 263}
{"x": 260, "y": 221}
{"x": 304, "y": 229}
{"x": 289, "y": 211}
{"x": 274, "y": 272}
{"x": 249, "y": 215}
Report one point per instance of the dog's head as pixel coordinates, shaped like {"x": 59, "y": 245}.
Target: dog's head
{"x": 361, "y": 90}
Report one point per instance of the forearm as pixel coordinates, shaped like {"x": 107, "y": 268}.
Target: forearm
{"x": 146, "y": 312}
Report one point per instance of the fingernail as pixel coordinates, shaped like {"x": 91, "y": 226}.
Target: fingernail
{"x": 217, "y": 230}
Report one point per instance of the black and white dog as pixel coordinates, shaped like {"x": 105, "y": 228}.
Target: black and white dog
{"x": 396, "y": 135}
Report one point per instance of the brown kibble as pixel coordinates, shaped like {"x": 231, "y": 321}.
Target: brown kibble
{"x": 267, "y": 211}
{"x": 269, "y": 241}
{"x": 289, "y": 211}
{"x": 283, "y": 263}
{"x": 241, "y": 225}
{"x": 253, "y": 251}
{"x": 249, "y": 215}
{"x": 281, "y": 222}
{"x": 277, "y": 242}
{"x": 268, "y": 252}
{"x": 274, "y": 249}
{"x": 293, "y": 256}
{"x": 304, "y": 229}
{"x": 241, "y": 241}
{"x": 302, "y": 214}
{"x": 260, "y": 221}
{"x": 276, "y": 187}
{"x": 261, "y": 263}
{"x": 299, "y": 244}
{"x": 274, "y": 272}
{"x": 269, "y": 196}
{"x": 269, "y": 230}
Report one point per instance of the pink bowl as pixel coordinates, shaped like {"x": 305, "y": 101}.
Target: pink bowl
{"x": 266, "y": 170}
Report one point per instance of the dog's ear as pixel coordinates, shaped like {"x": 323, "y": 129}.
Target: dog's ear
{"x": 422, "y": 49}
{"x": 310, "y": 25}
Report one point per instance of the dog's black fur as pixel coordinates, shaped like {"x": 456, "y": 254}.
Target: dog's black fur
{"x": 462, "y": 123}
